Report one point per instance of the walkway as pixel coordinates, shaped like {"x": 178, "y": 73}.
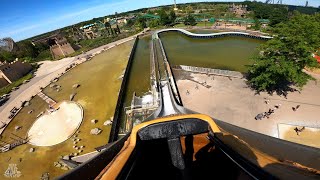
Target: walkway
{"x": 211, "y": 35}
{"x": 219, "y": 72}
{"x": 47, "y": 99}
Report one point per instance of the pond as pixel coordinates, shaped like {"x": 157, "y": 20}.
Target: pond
{"x": 229, "y": 53}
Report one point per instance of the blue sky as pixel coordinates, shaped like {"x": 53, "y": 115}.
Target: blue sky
{"x": 21, "y": 19}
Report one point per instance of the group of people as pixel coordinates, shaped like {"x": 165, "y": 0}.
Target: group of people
{"x": 188, "y": 92}
{"x": 295, "y": 108}
{"x": 267, "y": 114}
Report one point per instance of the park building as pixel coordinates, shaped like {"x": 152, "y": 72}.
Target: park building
{"x": 10, "y": 72}
{"x": 90, "y": 31}
{"x": 59, "y": 46}
{"x": 238, "y": 10}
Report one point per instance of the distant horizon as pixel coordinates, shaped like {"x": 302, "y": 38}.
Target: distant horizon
{"x": 25, "y": 21}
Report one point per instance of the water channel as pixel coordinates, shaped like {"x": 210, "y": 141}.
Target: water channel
{"x": 231, "y": 53}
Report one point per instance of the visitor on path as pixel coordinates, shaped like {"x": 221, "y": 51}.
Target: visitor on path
{"x": 187, "y": 93}
{"x": 267, "y": 101}
{"x": 259, "y": 116}
{"x": 297, "y": 107}
{"x": 294, "y": 109}
{"x": 296, "y": 130}
{"x": 197, "y": 87}
{"x": 277, "y": 106}
{"x": 299, "y": 130}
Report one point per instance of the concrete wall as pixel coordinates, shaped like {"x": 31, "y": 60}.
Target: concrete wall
{"x": 67, "y": 48}
{"x": 14, "y": 71}
{"x": 119, "y": 111}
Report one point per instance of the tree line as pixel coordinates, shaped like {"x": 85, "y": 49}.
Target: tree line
{"x": 281, "y": 61}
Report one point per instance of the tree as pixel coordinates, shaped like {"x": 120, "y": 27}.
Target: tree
{"x": 7, "y": 56}
{"x": 154, "y": 23}
{"x": 189, "y": 9}
{"x": 189, "y": 20}
{"x": 107, "y": 25}
{"x": 164, "y": 18}
{"x": 26, "y": 49}
{"x": 257, "y": 24}
{"x": 118, "y": 29}
{"x": 172, "y": 16}
{"x": 278, "y": 15}
{"x": 130, "y": 23}
{"x": 281, "y": 60}
{"x": 141, "y": 23}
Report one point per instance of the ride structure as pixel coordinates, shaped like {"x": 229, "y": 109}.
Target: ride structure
{"x": 177, "y": 143}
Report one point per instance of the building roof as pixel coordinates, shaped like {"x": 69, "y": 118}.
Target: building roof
{"x": 317, "y": 58}
{"x": 150, "y": 16}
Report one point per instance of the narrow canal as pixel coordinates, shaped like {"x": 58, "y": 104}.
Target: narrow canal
{"x": 139, "y": 76}
{"x": 231, "y": 53}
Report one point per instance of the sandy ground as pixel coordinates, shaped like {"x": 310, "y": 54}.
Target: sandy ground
{"x": 230, "y": 100}
{"x": 53, "y": 128}
{"x": 47, "y": 72}
{"x": 308, "y": 136}
{"x": 230, "y": 26}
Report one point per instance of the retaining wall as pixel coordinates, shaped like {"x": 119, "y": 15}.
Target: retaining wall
{"x": 213, "y": 35}
{"x": 117, "y": 113}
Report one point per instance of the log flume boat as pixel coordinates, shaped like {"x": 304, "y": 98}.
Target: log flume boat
{"x": 193, "y": 146}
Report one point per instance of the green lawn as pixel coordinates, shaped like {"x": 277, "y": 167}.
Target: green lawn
{"x": 203, "y": 24}
{"x": 7, "y": 89}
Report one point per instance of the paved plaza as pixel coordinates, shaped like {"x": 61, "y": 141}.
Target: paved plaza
{"x": 230, "y": 100}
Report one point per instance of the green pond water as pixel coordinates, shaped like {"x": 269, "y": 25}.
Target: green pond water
{"x": 230, "y": 53}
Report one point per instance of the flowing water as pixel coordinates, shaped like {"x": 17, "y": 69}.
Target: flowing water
{"x": 139, "y": 76}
